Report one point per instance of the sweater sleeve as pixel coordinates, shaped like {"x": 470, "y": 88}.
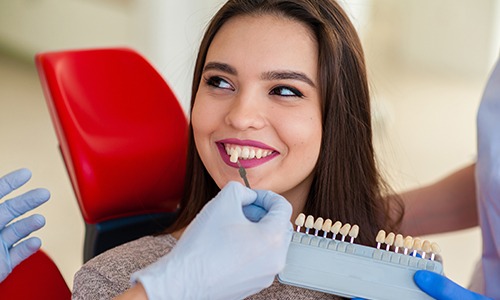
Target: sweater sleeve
{"x": 108, "y": 274}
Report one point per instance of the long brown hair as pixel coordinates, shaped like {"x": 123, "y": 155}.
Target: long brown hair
{"x": 346, "y": 186}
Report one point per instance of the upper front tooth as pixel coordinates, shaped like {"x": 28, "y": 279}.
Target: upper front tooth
{"x": 258, "y": 153}
{"x": 252, "y": 154}
{"x": 245, "y": 152}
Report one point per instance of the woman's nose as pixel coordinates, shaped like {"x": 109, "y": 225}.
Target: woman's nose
{"x": 246, "y": 112}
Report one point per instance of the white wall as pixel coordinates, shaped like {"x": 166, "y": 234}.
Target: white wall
{"x": 165, "y": 31}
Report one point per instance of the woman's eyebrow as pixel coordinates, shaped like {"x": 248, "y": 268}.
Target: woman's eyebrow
{"x": 220, "y": 67}
{"x": 277, "y": 75}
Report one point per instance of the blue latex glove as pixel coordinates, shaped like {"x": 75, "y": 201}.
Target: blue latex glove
{"x": 442, "y": 288}
{"x": 222, "y": 253}
{"x": 12, "y": 252}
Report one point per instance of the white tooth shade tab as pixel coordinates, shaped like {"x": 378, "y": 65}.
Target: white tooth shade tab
{"x": 327, "y": 225}
{"x": 234, "y": 157}
{"x": 318, "y": 224}
{"x": 310, "y": 221}
{"x": 380, "y": 237}
{"x": 336, "y": 227}
{"x": 300, "y": 220}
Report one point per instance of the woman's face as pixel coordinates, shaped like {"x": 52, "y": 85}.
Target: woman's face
{"x": 259, "y": 93}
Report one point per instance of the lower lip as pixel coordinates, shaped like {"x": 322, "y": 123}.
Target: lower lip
{"x": 245, "y": 163}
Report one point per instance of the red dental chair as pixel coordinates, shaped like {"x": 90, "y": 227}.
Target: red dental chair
{"x": 37, "y": 277}
{"x": 123, "y": 138}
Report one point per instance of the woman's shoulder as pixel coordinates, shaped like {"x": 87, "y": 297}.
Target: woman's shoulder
{"x": 108, "y": 274}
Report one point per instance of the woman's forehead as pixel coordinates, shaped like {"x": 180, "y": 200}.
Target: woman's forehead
{"x": 265, "y": 42}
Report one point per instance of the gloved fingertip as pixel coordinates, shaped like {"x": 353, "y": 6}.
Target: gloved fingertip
{"x": 42, "y": 195}
{"x": 421, "y": 276}
{"x": 18, "y": 177}
{"x": 254, "y": 212}
{"x": 33, "y": 244}
{"x": 38, "y": 220}
{"x": 24, "y": 172}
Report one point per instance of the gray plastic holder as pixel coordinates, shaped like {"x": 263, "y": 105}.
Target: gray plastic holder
{"x": 352, "y": 270}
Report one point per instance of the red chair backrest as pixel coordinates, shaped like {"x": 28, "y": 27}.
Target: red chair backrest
{"x": 122, "y": 132}
{"x": 37, "y": 277}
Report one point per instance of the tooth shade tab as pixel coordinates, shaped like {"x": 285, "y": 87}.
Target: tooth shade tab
{"x": 234, "y": 157}
{"x": 399, "y": 241}
{"x": 344, "y": 231}
{"x": 426, "y": 248}
{"x": 380, "y": 239}
{"x": 435, "y": 250}
{"x": 389, "y": 239}
{"x": 309, "y": 221}
{"x": 408, "y": 244}
{"x": 318, "y": 224}
{"x": 336, "y": 227}
{"x": 417, "y": 246}
{"x": 300, "y": 220}
{"x": 353, "y": 233}
{"x": 327, "y": 225}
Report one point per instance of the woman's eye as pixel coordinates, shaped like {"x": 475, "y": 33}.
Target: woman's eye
{"x": 218, "y": 82}
{"x": 286, "y": 92}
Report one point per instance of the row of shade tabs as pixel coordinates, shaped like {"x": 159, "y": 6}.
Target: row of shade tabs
{"x": 399, "y": 244}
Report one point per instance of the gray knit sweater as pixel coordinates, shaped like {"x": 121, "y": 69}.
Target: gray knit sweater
{"x": 108, "y": 274}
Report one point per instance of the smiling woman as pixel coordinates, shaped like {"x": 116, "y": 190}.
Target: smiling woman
{"x": 283, "y": 84}
{"x": 267, "y": 102}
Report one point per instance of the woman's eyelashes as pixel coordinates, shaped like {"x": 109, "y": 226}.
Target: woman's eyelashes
{"x": 286, "y": 91}
{"x": 282, "y": 90}
{"x": 218, "y": 82}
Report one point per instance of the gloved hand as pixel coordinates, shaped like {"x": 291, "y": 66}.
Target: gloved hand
{"x": 10, "y": 253}
{"x": 442, "y": 288}
{"x": 222, "y": 254}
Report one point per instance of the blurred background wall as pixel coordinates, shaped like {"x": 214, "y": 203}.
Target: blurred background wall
{"x": 428, "y": 62}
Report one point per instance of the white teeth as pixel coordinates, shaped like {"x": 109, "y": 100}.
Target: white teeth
{"x": 258, "y": 153}
{"x": 251, "y": 154}
{"x": 245, "y": 152}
